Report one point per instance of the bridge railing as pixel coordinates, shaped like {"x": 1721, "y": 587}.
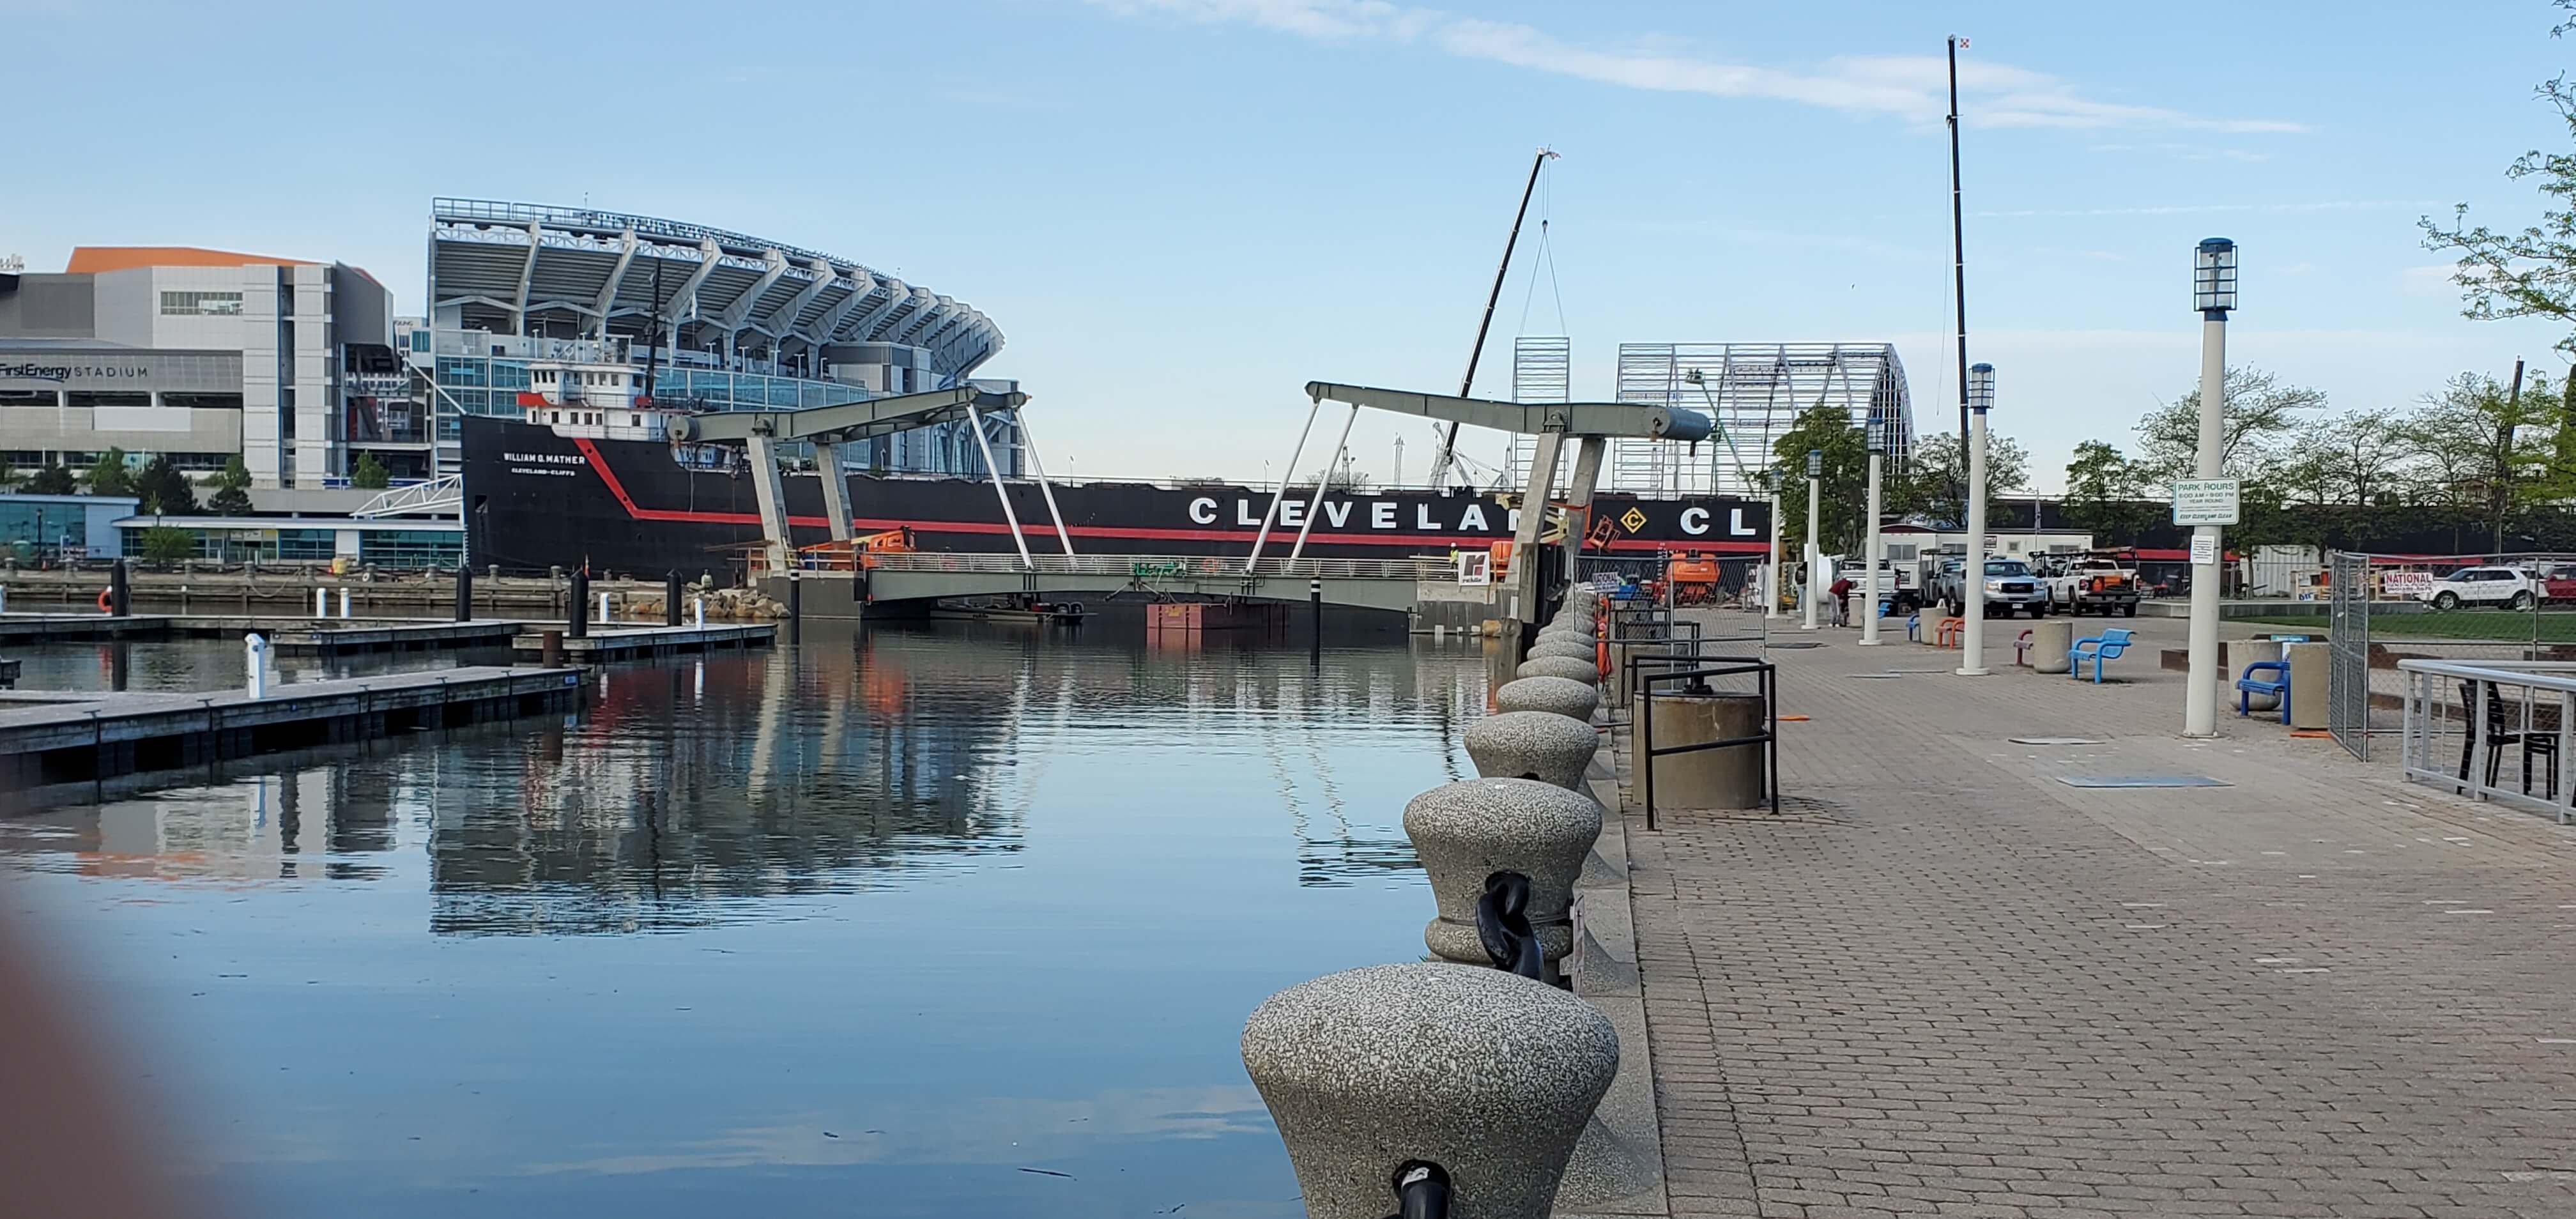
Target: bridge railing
{"x": 1168, "y": 567}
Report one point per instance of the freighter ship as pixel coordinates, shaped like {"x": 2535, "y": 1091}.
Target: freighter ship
{"x": 610, "y": 498}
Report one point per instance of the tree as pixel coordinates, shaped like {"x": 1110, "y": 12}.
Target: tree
{"x": 168, "y": 544}
{"x": 2488, "y": 446}
{"x": 163, "y": 490}
{"x": 2104, "y": 490}
{"x": 49, "y": 479}
{"x": 2261, "y": 412}
{"x": 107, "y": 476}
{"x": 232, "y": 489}
{"x": 368, "y": 474}
{"x": 1844, "y": 492}
{"x": 2361, "y": 458}
{"x": 2531, "y": 273}
{"x": 1935, "y": 482}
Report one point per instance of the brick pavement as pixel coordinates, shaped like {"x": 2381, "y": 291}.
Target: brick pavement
{"x": 1944, "y": 983}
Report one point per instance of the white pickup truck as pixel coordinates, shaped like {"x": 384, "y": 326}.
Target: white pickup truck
{"x": 2094, "y": 584}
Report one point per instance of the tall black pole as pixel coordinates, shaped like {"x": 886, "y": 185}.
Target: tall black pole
{"x": 656, "y": 361}
{"x": 1466, "y": 384}
{"x": 1958, "y": 250}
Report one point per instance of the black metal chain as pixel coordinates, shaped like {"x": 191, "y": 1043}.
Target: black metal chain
{"x": 1502, "y": 923}
{"x": 1421, "y": 1191}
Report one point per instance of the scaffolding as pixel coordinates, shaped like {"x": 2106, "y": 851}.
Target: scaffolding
{"x": 1755, "y": 392}
{"x": 1542, "y": 372}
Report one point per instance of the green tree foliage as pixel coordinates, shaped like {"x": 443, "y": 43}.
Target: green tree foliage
{"x": 49, "y": 479}
{"x": 232, "y": 490}
{"x": 108, "y": 476}
{"x": 1844, "y": 490}
{"x": 163, "y": 490}
{"x": 2529, "y": 272}
{"x": 2261, "y": 416}
{"x": 2487, "y": 447}
{"x": 2105, "y": 491}
{"x": 168, "y": 544}
{"x": 1935, "y": 481}
{"x": 367, "y": 473}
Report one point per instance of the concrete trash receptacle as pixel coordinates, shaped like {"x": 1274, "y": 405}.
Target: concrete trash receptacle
{"x": 2049, "y": 639}
{"x": 2309, "y": 706}
{"x": 1708, "y": 778}
{"x": 2243, "y": 652}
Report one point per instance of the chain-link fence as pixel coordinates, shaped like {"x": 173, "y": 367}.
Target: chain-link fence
{"x": 2381, "y": 609}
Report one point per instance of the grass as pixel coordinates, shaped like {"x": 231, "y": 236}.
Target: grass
{"x": 2504, "y": 626}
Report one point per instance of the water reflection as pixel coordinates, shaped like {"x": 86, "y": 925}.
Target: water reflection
{"x": 875, "y": 922}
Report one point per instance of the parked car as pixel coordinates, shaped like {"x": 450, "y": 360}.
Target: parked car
{"x": 2095, "y": 584}
{"x": 2009, "y": 585}
{"x": 2503, "y": 587}
{"x": 2558, "y": 583}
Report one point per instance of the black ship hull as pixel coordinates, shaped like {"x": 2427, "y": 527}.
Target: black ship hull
{"x": 535, "y": 499}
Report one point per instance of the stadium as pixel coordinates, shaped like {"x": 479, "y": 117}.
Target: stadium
{"x": 692, "y": 317}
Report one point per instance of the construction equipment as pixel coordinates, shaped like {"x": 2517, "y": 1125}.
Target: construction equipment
{"x": 1693, "y": 577}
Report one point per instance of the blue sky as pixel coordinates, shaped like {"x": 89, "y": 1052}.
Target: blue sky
{"x": 1179, "y": 211}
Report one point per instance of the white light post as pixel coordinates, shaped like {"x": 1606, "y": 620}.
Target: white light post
{"x": 2213, "y": 292}
{"x": 1972, "y": 574}
{"x": 1815, "y": 488}
{"x": 1877, "y": 552}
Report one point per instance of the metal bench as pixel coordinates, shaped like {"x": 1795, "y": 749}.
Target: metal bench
{"x": 1947, "y": 634}
{"x": 2248, "y": 685}
{"x": 2108, "y": 645}
{"x": 2021, "y": 649}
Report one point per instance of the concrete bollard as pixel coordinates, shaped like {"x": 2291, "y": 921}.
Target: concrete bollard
{"x": 1709, "y": 778}
{"x": 2049, "y": 639}
{"x": 1490, "y": 1076}
{"x": 344, "y": 600}
{"x": 1562, "y": 645}
{"x": 255, "y": 664}
{"x": 1533, "y": 745}
{"x": 322, "y": 603}
{"x": 1465, "y": 832}
{"x": 1560, "y": 666}
{"x": 1558, "y": 695}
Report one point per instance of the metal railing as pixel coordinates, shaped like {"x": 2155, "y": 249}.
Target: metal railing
{"x": 1767, "y": 686}
{"x": 2529, "y": 705}
{"x": 1166, "y": 567}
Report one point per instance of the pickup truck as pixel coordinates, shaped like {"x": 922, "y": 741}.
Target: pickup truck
{"x": 2094, "y": 585}
{"x": 2009, "y": 586}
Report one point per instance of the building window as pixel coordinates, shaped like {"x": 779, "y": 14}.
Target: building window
{"x": 203, "y": 402}
{"x": 201, "y": 304}
{"x": 29, "y": 397}
{"x": 1901, "y": 552}
{"x": 81, "y": 398}
{"x": 411, "y": 547}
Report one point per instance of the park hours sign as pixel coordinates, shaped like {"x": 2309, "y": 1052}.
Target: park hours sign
{"x": 2204, "y": 501}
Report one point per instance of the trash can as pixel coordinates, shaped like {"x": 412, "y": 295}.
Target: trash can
{"x": 1708, "y": 778}
{"x": 2049, "y": 640}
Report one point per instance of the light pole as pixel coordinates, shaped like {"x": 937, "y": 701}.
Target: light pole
{"x": 1972, "y": 574}
{"x": 2213, "y": 292}
{"x": 1815, "y": 490}
{"x": 1877, "y": 551}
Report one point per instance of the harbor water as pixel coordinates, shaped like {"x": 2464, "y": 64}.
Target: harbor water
{"x": 949, "y": 920}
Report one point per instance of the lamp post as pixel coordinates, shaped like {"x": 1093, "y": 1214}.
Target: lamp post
{"x": 1876, "y": 554}
{"x": 1815, "y": 495}
{"x": 2213, "y": 292}
{"x": 1972, "y": 574}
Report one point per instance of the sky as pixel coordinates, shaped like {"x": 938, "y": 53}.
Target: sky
{"x": 1181, "y": 211}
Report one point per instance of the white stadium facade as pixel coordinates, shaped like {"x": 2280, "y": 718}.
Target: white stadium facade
{"x": 702, "y": 318}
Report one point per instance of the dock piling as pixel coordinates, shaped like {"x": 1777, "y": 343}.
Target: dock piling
{"x": 671, "y": 598}
{"x": 579, "y": 607}
{"x": 255, "y": 663}
{"x": 117, "y": 590}
{"x": 344, "y": 601}
{"x": 464, "y": 593}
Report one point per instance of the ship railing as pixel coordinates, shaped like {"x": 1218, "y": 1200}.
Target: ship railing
{"x": 1170, "y": 567}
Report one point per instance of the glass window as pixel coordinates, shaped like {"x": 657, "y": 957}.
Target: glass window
{"x": 80, "y": 398}
{"x": 203, "y": 402}
{"x": 411, "y": 547}
{"x": 201, "y": 304}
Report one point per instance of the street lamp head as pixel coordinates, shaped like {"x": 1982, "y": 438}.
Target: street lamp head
{"x": 1981, "y": 388}
{"x": 2213, "y": 277}
{"x": 1815, "y": 463}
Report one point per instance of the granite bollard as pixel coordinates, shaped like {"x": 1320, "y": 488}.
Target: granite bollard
{"x": 1561, "y": 666}
{"x": 1466, "y": 831}
{"x": 1562, "y": 645}
{"x": 1564, "y": 696}
{"x": 1533, "y": 745}
{"x": 1488, "y": 1075}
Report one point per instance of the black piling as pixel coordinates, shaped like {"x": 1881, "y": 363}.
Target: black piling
{"x": 671, "y": 599}
{"x": 580, "y": 609}
{"x": 118, "y": 603}
{"x": 464, "y": 593}
{"x": 1315, "y": 598}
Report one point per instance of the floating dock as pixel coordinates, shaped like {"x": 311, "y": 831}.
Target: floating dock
{"x": 626, "y": 643}
{"x": 300, "y": 636}
{"x": 62, "y": 737}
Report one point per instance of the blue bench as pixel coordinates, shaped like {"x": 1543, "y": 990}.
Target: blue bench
{"x": 2108, "y": 645}
{"x": 1914, "y": 626}
{"x": 2248, "y": 685}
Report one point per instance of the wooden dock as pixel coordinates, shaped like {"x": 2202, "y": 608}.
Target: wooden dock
{"x": 62, "y": 737}
{"x": 305, "y": 636}
{"x": 627, "y": 643}
{"x": 81, "y": 628}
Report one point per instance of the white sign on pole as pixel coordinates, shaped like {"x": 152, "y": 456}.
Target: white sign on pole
{"x": 2205, "y": 501}
{"x": 1475, "y": 567}
{"x": 2204, "y": 552}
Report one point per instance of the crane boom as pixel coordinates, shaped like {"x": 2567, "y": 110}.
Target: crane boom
{"x": 1467, "y": 384}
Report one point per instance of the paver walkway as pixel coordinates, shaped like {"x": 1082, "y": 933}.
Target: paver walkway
{"x": 1944, "y": 983}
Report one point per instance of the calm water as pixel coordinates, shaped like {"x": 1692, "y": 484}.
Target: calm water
{"x": 869, "y": 925}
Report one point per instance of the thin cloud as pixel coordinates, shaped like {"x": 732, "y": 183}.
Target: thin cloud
{"x": 1912, "y": 87}
{"x": 2205, "y": 209}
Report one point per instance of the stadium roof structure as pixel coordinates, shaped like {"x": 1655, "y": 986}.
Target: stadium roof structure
{"x": 1757, "y": 391}
{"x": 581, "y": 269}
